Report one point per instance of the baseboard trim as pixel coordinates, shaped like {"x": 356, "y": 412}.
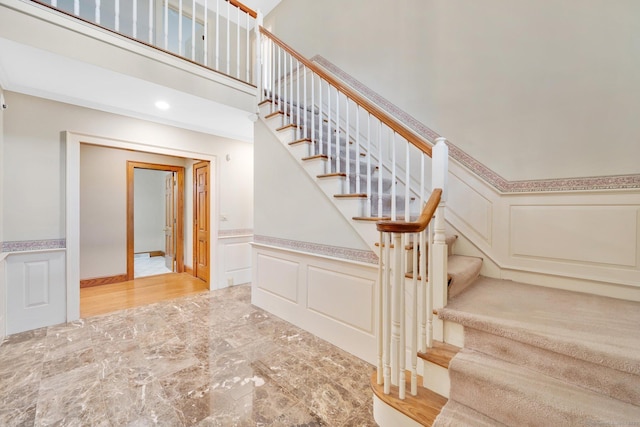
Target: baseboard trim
{"x": 188, "y": 270}
{"x": 99, "y": 281}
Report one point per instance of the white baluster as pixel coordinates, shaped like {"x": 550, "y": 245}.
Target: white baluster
{"x": 407, "y": 182}
{"x": 279, "y": 79}
{"x": 439, "y": 267}
{"x": 337, "y": 131}
{"x": 313, "y": 114}
{"x": 285, "y": 98}
{"x": 193, "y": 30}
{"x": 298, "y": 122}
{"x": 205, "y": 48}
{"x": 180, "y": 50}
{"x": 76, "y": 7}
{"x": 291, "y": 97}
{"x": 379, "y": 168}
{"x": 429, "y": 287}
{"x": 394, "y": 184}
{"x": 380, "y": 308}
{"x": 247, "y": 49}
{"x": 329, "y": 127}
{"x": 117, "y": 17}
{"x": 166, "y": 25}
{"x": 228, "y": 38}
{"x": 217, "y": 34}
{"x": 97, "y": 12}
{"x": 134, "y": 32}
{"x": 151, "y": 22}
{"x": 54, "y": 3}
{"x": 422, "y": 268}
{"x": 398, "y": 352}
{"x": 369, "y": 196}
{"x": 274, "y": 82}
{"x": 305, "y": 105}
{"x": 237, "y": 42}
{"x": 346, "y": 144}
{"x": 357, "y": 159}
{"x": 414, "y": 316}
{"x": 387, "y": 314}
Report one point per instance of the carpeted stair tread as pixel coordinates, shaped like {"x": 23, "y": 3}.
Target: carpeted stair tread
{"x": 463, "y": 271}
{"x": 455, "y": 414}
{"x": 588, "y": 327}
{"x": 517, "y": 396}
{"x": 596, "y": 377}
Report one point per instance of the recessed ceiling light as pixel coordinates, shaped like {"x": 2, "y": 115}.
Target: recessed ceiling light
{"x": 162, "y": 105}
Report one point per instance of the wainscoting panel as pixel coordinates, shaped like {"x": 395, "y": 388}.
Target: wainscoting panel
{"x": 234, "y": 260}
{"x": 36, "y": 290}
{"x": 584, "y": 234}
{"x": 278, "y": 276}
{"x": 470, "y": 207}
{"x": 335, "y": 298}
{"x": 323, "y": 287}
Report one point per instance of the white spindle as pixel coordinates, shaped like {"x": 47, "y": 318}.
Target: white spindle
{"x": 291, "y": 96}
{"x": 247, "y": 49}
{"x": 346, "y": 144}
{"x": 386, "y": 245}
{"x": 180, "y": 28}
{"x": 298, "y": 118}
{"x": 151, "y": 15}
{"x": 193, "y": 30}
{"x": 279, "y": 79}
{"x": 393, "y": 177}
{"x": 217, "y": 34}
{"x": 97, "y": 12}
{"x": 429, "y": 286}
{"x": 54, "y": 3}
{"x": 166, "y": 25}
{"x": 439, "y": 260}
{"x": 357, "y": 160}
{"x": 237, "y": 42}
{"x": 76, "y": 7}
{"x": 205, "y": 48}
{"x": 305, "y": 105}
{"x": 320, "y": 117}
{"x": 337, "y": 131}
{"x": 329, "y": 127}
{"x": 414, "y": 316}
{"x": 381, "y": 305}
{"x": 228, "y": 37}
{"x": 397, "y": 333}
{"x": 274, "y": 82}
{"x": 407, "y": 181}
{"x": 284, "y": 94}
{"x": 117, "y": 15}
{"x": 369, "y": 196}
{"x": 134, "y": 32}
{"x": 379, "y": 168}
{"x": 422, "y": 267}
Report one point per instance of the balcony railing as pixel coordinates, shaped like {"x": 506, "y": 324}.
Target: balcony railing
{"x": 217, "y": 34}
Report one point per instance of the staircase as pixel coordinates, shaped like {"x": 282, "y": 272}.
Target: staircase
{"x": 499, "y": 352}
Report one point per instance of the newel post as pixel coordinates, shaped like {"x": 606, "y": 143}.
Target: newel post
{"x": 440, "y": 173}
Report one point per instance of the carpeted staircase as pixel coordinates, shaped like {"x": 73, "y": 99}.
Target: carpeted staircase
{"x": 537, "y": 356}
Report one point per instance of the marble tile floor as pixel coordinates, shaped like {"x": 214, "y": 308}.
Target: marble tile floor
{"x": 210, "y": 359}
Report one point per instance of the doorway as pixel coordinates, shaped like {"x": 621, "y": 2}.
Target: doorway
{"x": 168, "y": 233}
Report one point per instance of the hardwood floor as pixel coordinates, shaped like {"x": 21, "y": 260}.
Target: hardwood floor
{"x": 134, "y": 293}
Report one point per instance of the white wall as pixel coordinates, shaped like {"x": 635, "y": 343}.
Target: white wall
{"x": 530, "y": 89}
{"x": 149, "y": 210}
{"x": 3, "y": 286}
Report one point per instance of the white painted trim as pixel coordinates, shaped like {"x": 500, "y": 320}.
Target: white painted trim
{"x": 386, "y": 416}
{"x": 72, "y": 203}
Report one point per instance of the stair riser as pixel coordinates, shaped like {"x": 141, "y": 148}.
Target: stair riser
{"x": 601, "y": 379}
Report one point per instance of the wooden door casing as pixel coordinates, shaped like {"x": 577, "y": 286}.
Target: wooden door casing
{"x": 201, "y": 223}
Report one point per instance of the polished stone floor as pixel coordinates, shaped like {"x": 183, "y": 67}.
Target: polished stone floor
{"x": 210, "y": 359}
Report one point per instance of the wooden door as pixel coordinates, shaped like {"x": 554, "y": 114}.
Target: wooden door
{"x": 170, "y": 221}
{"x": 201, "y": 221}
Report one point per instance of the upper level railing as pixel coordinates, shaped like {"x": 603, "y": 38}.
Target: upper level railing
{"x": 217, "y": 34}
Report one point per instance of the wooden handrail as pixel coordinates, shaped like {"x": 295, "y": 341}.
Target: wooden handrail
{"x": 393, "y": 123}
{"x": 417, "y": 226}
{"x": 244, "y": 8}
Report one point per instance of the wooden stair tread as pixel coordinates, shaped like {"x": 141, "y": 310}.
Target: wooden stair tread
{"x": 275, "y": 113}
{"x": 422, "y": 408}
{"x": 317, "y": 156}
{"x": 300, "y": 141}
{"x": 266, "y": 101}
{"x": 285, "y": 127}
{"x": 332, "y": 175}
{"x": 440, "y": 354}
{"x": 350, "y": 196}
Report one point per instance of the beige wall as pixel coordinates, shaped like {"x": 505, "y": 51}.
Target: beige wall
{"x": 532, "y": 89}
{"x": 33, "y": 158}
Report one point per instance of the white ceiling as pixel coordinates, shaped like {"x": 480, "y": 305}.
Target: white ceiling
{"x": 71, "y": 81}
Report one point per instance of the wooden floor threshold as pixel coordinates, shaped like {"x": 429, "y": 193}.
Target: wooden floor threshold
{"x": 440, "y": 354}
{"x": 422, "y": 408}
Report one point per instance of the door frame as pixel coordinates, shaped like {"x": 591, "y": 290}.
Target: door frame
{"x": 179, "y": 237}
{"x": 195, "y": 218}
